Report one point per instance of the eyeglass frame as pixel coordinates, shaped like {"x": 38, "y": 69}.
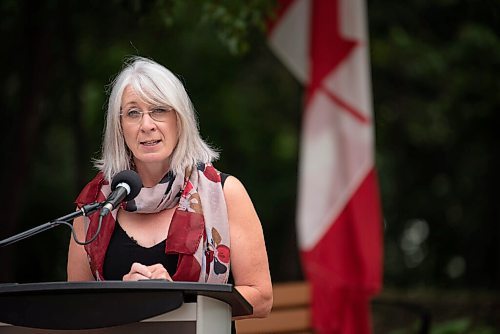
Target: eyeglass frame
{"x": 142, "y": 113}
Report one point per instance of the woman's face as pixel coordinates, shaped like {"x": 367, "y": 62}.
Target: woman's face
{"x": 149, "y": 140}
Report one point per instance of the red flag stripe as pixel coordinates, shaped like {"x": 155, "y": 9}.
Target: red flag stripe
{"x": 328, "y": 48}
{"x": 345, "y": 276}
{"x": 348, "y": 108}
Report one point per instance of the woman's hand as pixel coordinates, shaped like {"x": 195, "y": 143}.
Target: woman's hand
{"x": 139, "y": 271}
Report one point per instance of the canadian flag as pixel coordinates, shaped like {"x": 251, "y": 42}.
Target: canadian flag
{"x": 324, "y": 44}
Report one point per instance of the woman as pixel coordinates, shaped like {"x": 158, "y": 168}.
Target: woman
{"x": 189, "y": 222}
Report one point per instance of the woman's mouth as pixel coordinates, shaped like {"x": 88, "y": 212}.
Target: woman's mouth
{"x": 150, "y": 142}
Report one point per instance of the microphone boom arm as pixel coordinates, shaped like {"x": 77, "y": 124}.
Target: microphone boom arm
{"x": 84, "y": 211}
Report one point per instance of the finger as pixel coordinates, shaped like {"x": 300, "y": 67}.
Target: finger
{"x": 137, "y": 271}
{"x": 162, "y": 276}
{"x": 134, "y": 277}
{"x": 141, "y": 269}
{"x": 158, "y": 271}
{"x": 156, "y": 268}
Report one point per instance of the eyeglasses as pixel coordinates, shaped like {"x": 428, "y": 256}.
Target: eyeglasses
{"x": 134, "y": 116}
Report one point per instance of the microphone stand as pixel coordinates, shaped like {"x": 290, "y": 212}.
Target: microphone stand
{"x": 84, "y": 211}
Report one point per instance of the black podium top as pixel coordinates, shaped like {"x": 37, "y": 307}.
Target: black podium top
{"x": 85, "y": 305}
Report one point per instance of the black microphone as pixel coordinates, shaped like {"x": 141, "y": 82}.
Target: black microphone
{"x": 125, "y": 186}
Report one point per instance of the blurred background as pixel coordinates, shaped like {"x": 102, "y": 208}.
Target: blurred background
{"x": 436, "y": 90}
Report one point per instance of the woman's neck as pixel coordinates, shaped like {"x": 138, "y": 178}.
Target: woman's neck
{"x": 151, "y": 173}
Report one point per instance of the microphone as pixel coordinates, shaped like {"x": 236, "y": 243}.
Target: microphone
{"x": 125, "y": 186}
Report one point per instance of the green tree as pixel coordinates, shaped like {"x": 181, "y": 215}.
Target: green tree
{"x": 435, "y": 67}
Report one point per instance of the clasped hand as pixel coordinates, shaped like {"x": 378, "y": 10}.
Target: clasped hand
{"x": 139, "y": 271}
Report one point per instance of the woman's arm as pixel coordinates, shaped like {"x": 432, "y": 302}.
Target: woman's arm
{"x": 78, "y": 267}
{"x": 249, "y": 263}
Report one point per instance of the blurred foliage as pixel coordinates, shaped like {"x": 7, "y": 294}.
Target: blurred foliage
{"x": 463, "y": 325}
{"x": 234, "y": 20}
{"x": 435, "y": 72}
{"x": 456, "y": 326}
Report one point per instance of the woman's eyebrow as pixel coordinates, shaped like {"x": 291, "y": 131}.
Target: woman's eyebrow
{"x": 129, "y": 103}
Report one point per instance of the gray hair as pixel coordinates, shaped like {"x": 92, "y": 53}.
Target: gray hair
{"x": 156, "y": 85}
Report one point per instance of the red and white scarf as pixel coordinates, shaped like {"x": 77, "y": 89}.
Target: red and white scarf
{"x": 199, "y": 231}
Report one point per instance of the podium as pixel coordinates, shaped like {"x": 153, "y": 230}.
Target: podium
{"x": 150, "y": 306}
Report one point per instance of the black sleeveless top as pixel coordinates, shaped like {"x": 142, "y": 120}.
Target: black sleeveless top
{"x": 123, "y": 251}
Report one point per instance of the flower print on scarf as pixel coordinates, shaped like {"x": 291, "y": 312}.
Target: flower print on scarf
{"x": 218, "y": 253}
{"x": 190, "y": 203}
{"x": 209, "y": 258}
{"x": 190, "y": 200}
{"x": 223, "y": 253}
{"x": 211, "y": 173}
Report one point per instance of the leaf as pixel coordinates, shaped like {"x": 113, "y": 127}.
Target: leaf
{"x": 216, "y": 236}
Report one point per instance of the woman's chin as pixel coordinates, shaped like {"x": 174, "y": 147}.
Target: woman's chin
{"x": 152, "y": 158}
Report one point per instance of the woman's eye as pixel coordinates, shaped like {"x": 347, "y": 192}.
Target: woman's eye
{"x": 134, "y": 113}
{"x": 159, "y": 111}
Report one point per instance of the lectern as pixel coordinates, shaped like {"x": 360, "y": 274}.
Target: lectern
{"x": 150, "y": 306}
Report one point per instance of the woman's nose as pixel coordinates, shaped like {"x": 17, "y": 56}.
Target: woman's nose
{"x": 147, "y": 123}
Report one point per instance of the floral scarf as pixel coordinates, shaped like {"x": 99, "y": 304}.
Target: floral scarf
{"x": 198, "y": 233}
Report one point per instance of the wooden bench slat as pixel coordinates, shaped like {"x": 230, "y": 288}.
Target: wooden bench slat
{"x": 290, "y": 313}
{"x": 291, "y": 294}
{"x": 282, "y": 321}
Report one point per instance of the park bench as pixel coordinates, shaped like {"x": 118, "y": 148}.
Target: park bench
{"x": 291, "y": 313}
